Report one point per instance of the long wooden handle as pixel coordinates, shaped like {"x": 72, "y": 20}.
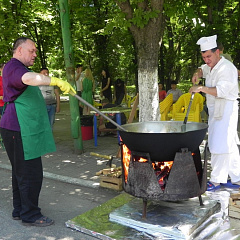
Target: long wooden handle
{"x": 134, "y": 108}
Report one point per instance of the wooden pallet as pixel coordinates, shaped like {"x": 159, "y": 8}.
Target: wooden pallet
{"x": 234, "y": 206}
{"x": 111, "y": 182}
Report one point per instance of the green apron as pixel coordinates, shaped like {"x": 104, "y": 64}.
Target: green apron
{"x": 33, "y": 119}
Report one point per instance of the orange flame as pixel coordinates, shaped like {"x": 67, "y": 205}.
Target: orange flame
{"x": 162, "y": 165}
{"x": 126, "y": 156}
{"x": 142, "y": 159}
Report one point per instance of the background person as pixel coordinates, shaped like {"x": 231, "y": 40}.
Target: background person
{"x": 226, "y": 55}
{"x": 26, "y": 131}
{"x": 79, "y": 75}
{"x": 88, "y": 87}
{"x": 175, "y": 91}
{"x": 120, "y": 91}
{"x": 221, "y": 88}
{"x": 1, "y": 90}
{"x": 51, "y": 96}
{"x": 106, "y": 90}
{"x": 221, "y": 49}
{"x": 162, "y": 93}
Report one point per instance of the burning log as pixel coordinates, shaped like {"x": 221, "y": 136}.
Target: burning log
{"x": 162, "y": 177}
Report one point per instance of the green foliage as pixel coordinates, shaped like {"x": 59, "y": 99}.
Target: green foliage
{"x": 141, "y": 17}
{"x": 131, "y": 90}
{"x": 186, "y": 22}
{"x": 185, "y": 85}
{"x": 38, "y": 20}
{"x": 101, "y": 36}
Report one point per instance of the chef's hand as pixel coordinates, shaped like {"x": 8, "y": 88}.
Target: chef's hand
{"x": 196, "y": 76}
{"x": 63, "y": 85}
{"x": 195, "y": 89}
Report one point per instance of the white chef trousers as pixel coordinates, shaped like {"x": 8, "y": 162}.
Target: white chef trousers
{"x": 224, "y": 165}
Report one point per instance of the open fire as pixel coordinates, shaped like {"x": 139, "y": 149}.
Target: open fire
{"x": 162, "y": 169}
{"x": 184, "y": 177}
{"x": 162, "y": 164}
{"x": 126, "y": 157}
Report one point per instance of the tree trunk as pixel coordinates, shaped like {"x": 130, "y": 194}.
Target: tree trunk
{"x": 147, "y": 56}
{"x": 147, "y": 40}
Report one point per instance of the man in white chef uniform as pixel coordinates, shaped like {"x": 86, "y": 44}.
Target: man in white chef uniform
{"x": 221, "y": 88}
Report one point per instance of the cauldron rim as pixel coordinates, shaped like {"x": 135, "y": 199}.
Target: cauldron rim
{"x": 163, "y": 146}
{"x": 180, "y": 123}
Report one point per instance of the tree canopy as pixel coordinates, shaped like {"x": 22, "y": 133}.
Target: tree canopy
{"x": 102, "y": 35}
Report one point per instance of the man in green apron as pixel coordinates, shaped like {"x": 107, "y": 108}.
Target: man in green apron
{"x": 26, "y": 130}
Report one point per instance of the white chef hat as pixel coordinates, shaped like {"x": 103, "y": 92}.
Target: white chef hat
{"x": 207, "y": 43}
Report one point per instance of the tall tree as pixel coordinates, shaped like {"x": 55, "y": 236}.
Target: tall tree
{"x": 38, "y": 20}
{"x": 145, "y": 19}
{"x": 101, "y": 38}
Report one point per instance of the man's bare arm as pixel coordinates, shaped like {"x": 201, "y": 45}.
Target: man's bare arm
{"x": 35, "y": 79}
{"x": 207, "y": 90}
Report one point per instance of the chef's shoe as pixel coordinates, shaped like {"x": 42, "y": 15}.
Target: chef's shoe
{"x": 212, "y": 186}
{"x": 229, "y": 184}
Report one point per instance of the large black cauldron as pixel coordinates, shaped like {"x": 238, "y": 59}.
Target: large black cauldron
{"x": 163, "y": 139}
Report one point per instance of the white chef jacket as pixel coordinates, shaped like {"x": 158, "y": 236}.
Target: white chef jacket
{"x": 223, "y": 109}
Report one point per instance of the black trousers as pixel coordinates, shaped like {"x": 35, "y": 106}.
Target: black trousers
{"x": 108, "y": 95}
{"x": 27, "y": 177}
{"x": 119, "y": 98}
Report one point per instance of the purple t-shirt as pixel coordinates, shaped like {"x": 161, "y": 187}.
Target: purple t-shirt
{"x": 12, "y": 88}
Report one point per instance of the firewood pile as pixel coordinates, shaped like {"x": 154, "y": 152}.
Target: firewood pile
{"x": 111, "y": 177}
{"x": 111, "y": 172}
